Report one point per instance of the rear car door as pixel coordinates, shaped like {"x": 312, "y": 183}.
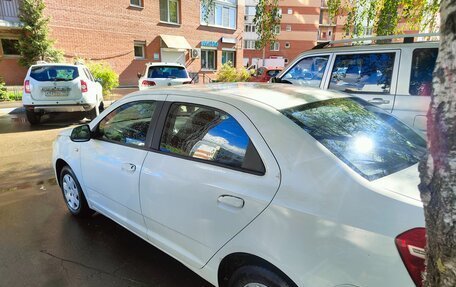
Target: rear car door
{"x": 209, "y": 175}
{"x": 111, "y": 162}
{"x": 370, "y": 75}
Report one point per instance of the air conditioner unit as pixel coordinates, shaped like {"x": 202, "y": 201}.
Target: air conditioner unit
{"x": 196, "y": 53}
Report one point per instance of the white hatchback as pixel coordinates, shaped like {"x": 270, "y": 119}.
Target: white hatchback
{"x": 255, "y": 184}
{"x": 60, "y": 88}
{"x": 163, "y": 74}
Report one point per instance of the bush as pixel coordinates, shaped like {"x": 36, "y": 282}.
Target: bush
{"x": 228, "y": 73}
{"x": 108, "y": 77}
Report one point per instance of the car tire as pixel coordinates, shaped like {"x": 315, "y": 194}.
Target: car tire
{"x": 256, "y": 276}
{"x": 73, "y": 194}
{"x": 32, "y": 117}
{"x": 92, "y": 114}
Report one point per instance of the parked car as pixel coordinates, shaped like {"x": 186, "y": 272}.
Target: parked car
{"x": 52, "y": 87}
{"x": 163, "y": 74}
{"x": 256, "y": 184}
{"x": 264, "y": 74}
{"x": 396, "y": 77}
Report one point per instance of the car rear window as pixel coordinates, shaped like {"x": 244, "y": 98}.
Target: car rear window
{"x": 370, "y": 141}
{"x": 164, "y": 72}
{"x": 54, "y": 73}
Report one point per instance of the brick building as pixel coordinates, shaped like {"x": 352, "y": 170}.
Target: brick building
{"x": 304, "y": 24}
{"x": 130, "y": 33}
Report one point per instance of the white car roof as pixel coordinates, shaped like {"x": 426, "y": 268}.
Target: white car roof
{"x": 164, "y": 64}
{"x": 277, "y": 96}
{"x": 57, "y": 64}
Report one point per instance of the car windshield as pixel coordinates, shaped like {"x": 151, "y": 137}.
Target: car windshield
{"x": 164, "y": 72}
{"x": 370, "y": 141}
{"x": 54, "y": 73}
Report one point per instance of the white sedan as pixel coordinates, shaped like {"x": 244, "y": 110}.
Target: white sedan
{"x": 255, "y": 184}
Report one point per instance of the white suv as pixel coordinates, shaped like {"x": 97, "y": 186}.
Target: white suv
{"x": 163, "y": 74}
{"x": 60, "y": 88}
{"x": 396, "y": 77}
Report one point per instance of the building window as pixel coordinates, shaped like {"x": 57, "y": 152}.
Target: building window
{"x": 280, "y": 11}
{"x": 208, "y": 59}
{"x": 250, "y": 10}
{"x": 136, "y": 3}
{"x": 10, "y": 47}
{"x": 249, "y": 44}
{"x": 275, "y": 46}
{"x": 169, "y": 11}
{"x": 290, "y": 11}
{"x": 249, "y": 28}
{"x": 287, "y": 45}
{"x": 223, "y": 14}
{"x": 288, "y": 28}
{"x": 228, "y": 56}
{"x": 329, "y": 33}
{"x": 277, "y": 29}
{"x": 140, "y": 50}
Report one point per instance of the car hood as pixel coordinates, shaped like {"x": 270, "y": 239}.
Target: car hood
{"x": 404, "y": 182}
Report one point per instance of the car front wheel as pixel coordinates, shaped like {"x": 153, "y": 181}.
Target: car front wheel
{"x": 255, "y": 276}
{"x": 72, "y": 193}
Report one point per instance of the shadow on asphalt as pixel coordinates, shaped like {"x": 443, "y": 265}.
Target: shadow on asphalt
{"x": 16, "y": 121}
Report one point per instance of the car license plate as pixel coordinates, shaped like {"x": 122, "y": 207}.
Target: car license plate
{"x": 56, "y": 93}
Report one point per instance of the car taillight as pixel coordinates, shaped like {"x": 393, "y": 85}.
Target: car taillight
{"x": 187, "y": 83}
{"x": 411, "y": 246}
{"x": 84, "y": 87}
{"x": 147, "y": 83}
{"x": 27, "y": 88}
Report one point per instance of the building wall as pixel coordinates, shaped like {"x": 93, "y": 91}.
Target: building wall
{"x": 105, "y": 30}
{"x": 309, "y": 26}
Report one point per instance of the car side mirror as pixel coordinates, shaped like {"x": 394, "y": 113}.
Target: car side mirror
{"x": 81, "y": 134}
{"x": 139, "y": 75}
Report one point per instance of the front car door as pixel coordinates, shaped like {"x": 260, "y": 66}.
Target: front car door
{"x": 370, "y": 75}
{"x": 111, "y": 162}
{"x": 308, "y": 71}
{"x": 210, "y": 175}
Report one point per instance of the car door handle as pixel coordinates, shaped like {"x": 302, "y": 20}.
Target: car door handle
{"x": 128, "y": 167}
{"x": 379, "y": 101}
{"x": 231, "y": 201}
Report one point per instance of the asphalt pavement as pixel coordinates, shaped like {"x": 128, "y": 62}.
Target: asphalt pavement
{"x": 41, "y": 244}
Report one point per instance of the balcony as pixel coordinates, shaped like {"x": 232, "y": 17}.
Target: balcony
{"x": 9, "y": 13}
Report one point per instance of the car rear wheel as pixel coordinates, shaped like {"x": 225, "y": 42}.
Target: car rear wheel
{"x": 72, "y": 193}
{"x": 32, "y": 117}
{"x": 93, "y": 112}
{"x": 255, "y": 276}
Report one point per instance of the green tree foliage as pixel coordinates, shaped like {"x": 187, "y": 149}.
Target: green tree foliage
{"x": 383, "y": 16}
{"x": 105, "y": 73}
{"x": 34, "y": 42}
{"x": 267, "y": 18}
{"x": 228, "y": 73}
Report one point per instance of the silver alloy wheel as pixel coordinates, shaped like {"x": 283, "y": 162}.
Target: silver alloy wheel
{"x": 70, "y": 190}
{"x": 255, "y": 285}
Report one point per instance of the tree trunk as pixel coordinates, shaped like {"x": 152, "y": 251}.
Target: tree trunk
{"x": 438, "y": 169}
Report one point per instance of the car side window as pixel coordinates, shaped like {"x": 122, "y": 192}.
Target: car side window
{"x": 128, "y": 124}
{"x": 89, "y": 74}
{"x": 363, "y": 73}
{"x": 208, "y": 134}
{"x": 308, "y": 72}
{"x": 423, "y": 64}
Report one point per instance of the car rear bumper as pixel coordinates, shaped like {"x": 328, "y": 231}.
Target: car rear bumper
{"x": 60, "y": 108}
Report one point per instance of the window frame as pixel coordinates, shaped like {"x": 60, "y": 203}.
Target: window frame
{"x": 141, "y": 4}
{"x": 296, "y": 61}
{"x": 143, "y": 48}
{"x": 247, "y": 47}
{"x": 288, "y": 28}
{"x": 150, "y": 132}
{"x": 273, "y": 46}
{"x": 206, "y": 59}
{"x": 223, "y": 4}
{"x": 230, "y": 52}
{"x": 160, "y": 129}
{"x": 168, "y": 21}
{"x": 3, "y": 50}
